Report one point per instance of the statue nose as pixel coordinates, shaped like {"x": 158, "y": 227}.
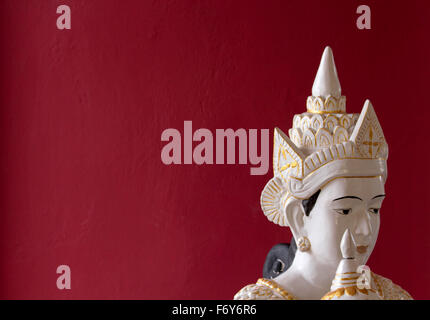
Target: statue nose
{"x": 363, "y": 227}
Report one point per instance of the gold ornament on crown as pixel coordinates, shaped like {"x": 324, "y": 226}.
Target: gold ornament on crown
{"x": 323, "y": 105}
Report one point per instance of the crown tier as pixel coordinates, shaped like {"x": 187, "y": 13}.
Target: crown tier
{"x": 314, "y": 131}
{"x": 323, "y": 105}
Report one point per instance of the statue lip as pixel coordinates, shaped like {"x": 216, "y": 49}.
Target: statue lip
{"x": 362, "y": 249}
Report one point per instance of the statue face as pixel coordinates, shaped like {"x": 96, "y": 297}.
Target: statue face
{"x": 343, "y": 203}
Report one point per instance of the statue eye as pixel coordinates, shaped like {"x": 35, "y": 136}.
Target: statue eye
{"x": 343, "y": 211}
{"x": 374, "y": 210}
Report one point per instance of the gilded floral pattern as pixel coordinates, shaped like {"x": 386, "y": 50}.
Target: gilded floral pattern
{"x": 266, "y": 289}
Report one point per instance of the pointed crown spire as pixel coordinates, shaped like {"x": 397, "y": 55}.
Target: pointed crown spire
{"x": 326, "y": 82}
{"x": 326, "y": 91}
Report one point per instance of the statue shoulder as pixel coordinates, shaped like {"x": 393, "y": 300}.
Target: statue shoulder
{"x": 390, "y": 290}
{"x": 264, "y": 289}
{"x": 256, "y": 292}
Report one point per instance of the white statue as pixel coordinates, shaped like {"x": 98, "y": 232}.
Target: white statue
{"x": 329, "y": 176}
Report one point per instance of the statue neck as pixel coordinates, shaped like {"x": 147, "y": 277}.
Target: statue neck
{"x": 307, "y": 278}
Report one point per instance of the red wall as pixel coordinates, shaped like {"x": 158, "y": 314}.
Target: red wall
{"x": 82, "y": 111}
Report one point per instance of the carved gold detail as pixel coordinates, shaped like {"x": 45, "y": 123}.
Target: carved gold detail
{"x": 331, "y": 104}
{"x": 368, "y": 135}
{"x": 277, "y": 288}
{"x": 287, "y": 159}
{"x": 317, "y": 131}
{"x": 271, "y": 201}
{"x": 266, "y": 289}
{"x": 304, "y": 244}
{"x": 350, "y": 291}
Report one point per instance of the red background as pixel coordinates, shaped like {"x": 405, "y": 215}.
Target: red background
{"x": 82, "y": 111}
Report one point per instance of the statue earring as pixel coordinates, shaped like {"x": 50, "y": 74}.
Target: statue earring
{"x": 303, "y": 244}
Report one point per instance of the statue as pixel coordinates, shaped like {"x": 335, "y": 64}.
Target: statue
{"x": 328, "y": 185}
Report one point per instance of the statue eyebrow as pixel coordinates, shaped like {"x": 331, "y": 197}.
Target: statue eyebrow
{"x": 381, "y": 195}
{"x": 348, "y": 197}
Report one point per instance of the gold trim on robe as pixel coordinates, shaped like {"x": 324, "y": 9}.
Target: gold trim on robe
{"x": 266, "y": 289}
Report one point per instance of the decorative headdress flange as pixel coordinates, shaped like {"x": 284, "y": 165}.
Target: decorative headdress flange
{"x": 325, "y": 143}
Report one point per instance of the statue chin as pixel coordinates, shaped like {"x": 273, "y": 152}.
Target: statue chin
{"x": 328, "y": 188}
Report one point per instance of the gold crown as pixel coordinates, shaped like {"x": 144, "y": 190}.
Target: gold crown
{"x": 323, "y": 146}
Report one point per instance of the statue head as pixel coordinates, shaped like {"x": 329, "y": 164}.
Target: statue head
{"x": 329, "y": 173}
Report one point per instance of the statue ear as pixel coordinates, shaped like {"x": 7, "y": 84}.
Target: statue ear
{"x": 295, "y": 215}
